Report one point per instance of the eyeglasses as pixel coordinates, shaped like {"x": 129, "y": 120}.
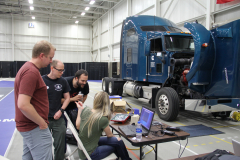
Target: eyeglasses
{"x": 59, "y": 70}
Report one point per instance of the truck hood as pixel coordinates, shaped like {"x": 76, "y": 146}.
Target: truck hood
{"x": 200, "y": 72}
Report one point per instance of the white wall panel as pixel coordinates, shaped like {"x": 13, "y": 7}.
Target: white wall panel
{"x": 29, "y": 39}
{"x": 116, "y": 53}
{"x": 40, "y": 28}
{"x": 95, "y": 54}
{"x": 6, "y": 26}
{"x": 78, "y": 56}
{"x": 63, "y": 30}
{"x": 140, "y": 5}
{"x": 6, "y": 54}
{"x": 117, "y": 33}
{"x": 227, "y": 16}
{"x": 120, "y": 13}
{"x": 104, "y": 55}
{"x": 104, "y": 39}
{"x": 22, "y": 55}
{"x": 182, "y": 10}
{"x": 95, "y": 30}
{"x": 151, "y": 11}
{"x": 5, "y": 40}
{"x": 104, "y": 23}
{"x": 95, "y": 43}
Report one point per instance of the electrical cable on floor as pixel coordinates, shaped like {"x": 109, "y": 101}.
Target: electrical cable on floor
{"x": 142, "y": 148}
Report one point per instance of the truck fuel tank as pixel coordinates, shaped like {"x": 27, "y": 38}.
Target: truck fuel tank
{"x": 133, "y": 89}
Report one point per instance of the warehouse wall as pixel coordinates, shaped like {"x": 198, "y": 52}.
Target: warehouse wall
{"x": 107, "y": 29}
{"x": 72, "y": 41}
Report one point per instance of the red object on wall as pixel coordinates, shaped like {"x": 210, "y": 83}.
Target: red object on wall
{"x": 223, "y": 1}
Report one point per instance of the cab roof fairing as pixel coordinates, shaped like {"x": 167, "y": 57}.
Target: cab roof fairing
{"x": 145, "y": 20}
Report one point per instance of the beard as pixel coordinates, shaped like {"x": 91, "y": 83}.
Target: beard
{"x": 79, "y": 85}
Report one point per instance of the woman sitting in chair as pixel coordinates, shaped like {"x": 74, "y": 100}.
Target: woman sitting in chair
{"x": 91, "y": 123}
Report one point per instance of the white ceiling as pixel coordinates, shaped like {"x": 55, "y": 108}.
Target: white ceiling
{"x": 57, "y": 10}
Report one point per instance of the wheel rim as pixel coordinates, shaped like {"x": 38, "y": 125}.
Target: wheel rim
{"x": 163, "y": 104}
{"x": 103, "y": 85}
{"x": 110, "y": 87}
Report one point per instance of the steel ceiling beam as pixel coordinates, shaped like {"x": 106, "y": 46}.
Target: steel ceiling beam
{"x": 52, "y": 7}
{"x": 78, "y": 4}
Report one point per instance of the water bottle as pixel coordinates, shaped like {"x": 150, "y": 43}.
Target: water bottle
{"x": 80, "y": 93}
{"x": 139, "y": 131}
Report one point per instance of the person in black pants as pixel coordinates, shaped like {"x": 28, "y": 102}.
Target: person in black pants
{"x": 77, "y": 83}
{"x": 56, "y": 88}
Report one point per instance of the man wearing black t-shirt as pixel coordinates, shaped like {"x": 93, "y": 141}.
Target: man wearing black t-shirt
{"x": 56, "y": 88}
{"x": 77, "y": 83}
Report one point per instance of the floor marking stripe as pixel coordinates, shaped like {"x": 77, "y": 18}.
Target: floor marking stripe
{"x": 227, "y": 126}
{"x": 6, "y": 95}
{"x": 10, "y": 143}
{"x": 179, "y": 123}
{"x": 4, "y": 79}
{"x": 186, "y": 148}
{"x": 220, "y": 139}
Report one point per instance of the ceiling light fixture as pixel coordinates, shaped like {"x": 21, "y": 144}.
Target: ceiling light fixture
{"x": 30, "y": 1}
{"x": 76, "y": 21}
{"x": 33, "y": 17}
{"x": 92, "y": 2}
{"x": 83, "y": 13}
{"x": 74, "y": 17}
{"x": 31, "y": 8}
{"x": 87, "y": 8}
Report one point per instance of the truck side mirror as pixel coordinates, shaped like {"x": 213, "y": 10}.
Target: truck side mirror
{"x": 147, "y": 48}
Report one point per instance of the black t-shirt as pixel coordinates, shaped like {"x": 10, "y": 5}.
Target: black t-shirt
{"x": 75, "y": 91}
{"x": 55, "y": 88}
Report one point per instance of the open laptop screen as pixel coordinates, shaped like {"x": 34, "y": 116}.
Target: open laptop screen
{"x": 146, "y": 118}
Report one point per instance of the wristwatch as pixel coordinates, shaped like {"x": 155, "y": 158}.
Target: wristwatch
{"x": 62, "y": 110}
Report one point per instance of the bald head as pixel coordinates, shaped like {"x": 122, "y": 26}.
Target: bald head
{"x": 55, "y": 63}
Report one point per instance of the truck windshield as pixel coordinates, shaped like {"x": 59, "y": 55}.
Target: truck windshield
{"x": 179, "y": 43}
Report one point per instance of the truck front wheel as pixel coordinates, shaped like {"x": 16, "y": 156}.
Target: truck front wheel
{"x": 167, "y": 104}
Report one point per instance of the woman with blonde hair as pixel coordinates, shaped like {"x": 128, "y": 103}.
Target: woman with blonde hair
{"x": 91, "y": 123}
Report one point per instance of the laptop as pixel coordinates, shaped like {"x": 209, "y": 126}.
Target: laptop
{"x": 146, "y": 119}
{"x": 236, "y": 147}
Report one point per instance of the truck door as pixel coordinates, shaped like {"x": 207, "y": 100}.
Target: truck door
{"x": 155, "y": 65}
{"x": 131, "y": 54}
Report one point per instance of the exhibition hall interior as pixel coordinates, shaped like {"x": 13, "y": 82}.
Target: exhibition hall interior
{"x": 119, "y": 79}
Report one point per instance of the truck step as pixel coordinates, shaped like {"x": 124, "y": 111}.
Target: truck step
{"x": 144, "y": 100}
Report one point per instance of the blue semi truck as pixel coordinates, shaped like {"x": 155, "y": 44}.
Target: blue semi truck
{"x": 171, "y": 69}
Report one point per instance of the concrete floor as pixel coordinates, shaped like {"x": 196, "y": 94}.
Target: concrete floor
{"x": 169, "y": 150}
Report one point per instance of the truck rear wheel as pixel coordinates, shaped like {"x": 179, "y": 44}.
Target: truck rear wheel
{"x": 167, "y": 104}
{"x": 105, "y": 83}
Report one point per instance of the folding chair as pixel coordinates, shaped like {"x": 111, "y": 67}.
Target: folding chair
{"x": 80, "y": 145}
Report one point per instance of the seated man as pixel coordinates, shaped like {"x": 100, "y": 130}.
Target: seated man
{"x": 56, "y": 88}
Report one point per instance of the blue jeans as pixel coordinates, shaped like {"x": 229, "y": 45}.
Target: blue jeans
{"x": 106, "y": 146}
